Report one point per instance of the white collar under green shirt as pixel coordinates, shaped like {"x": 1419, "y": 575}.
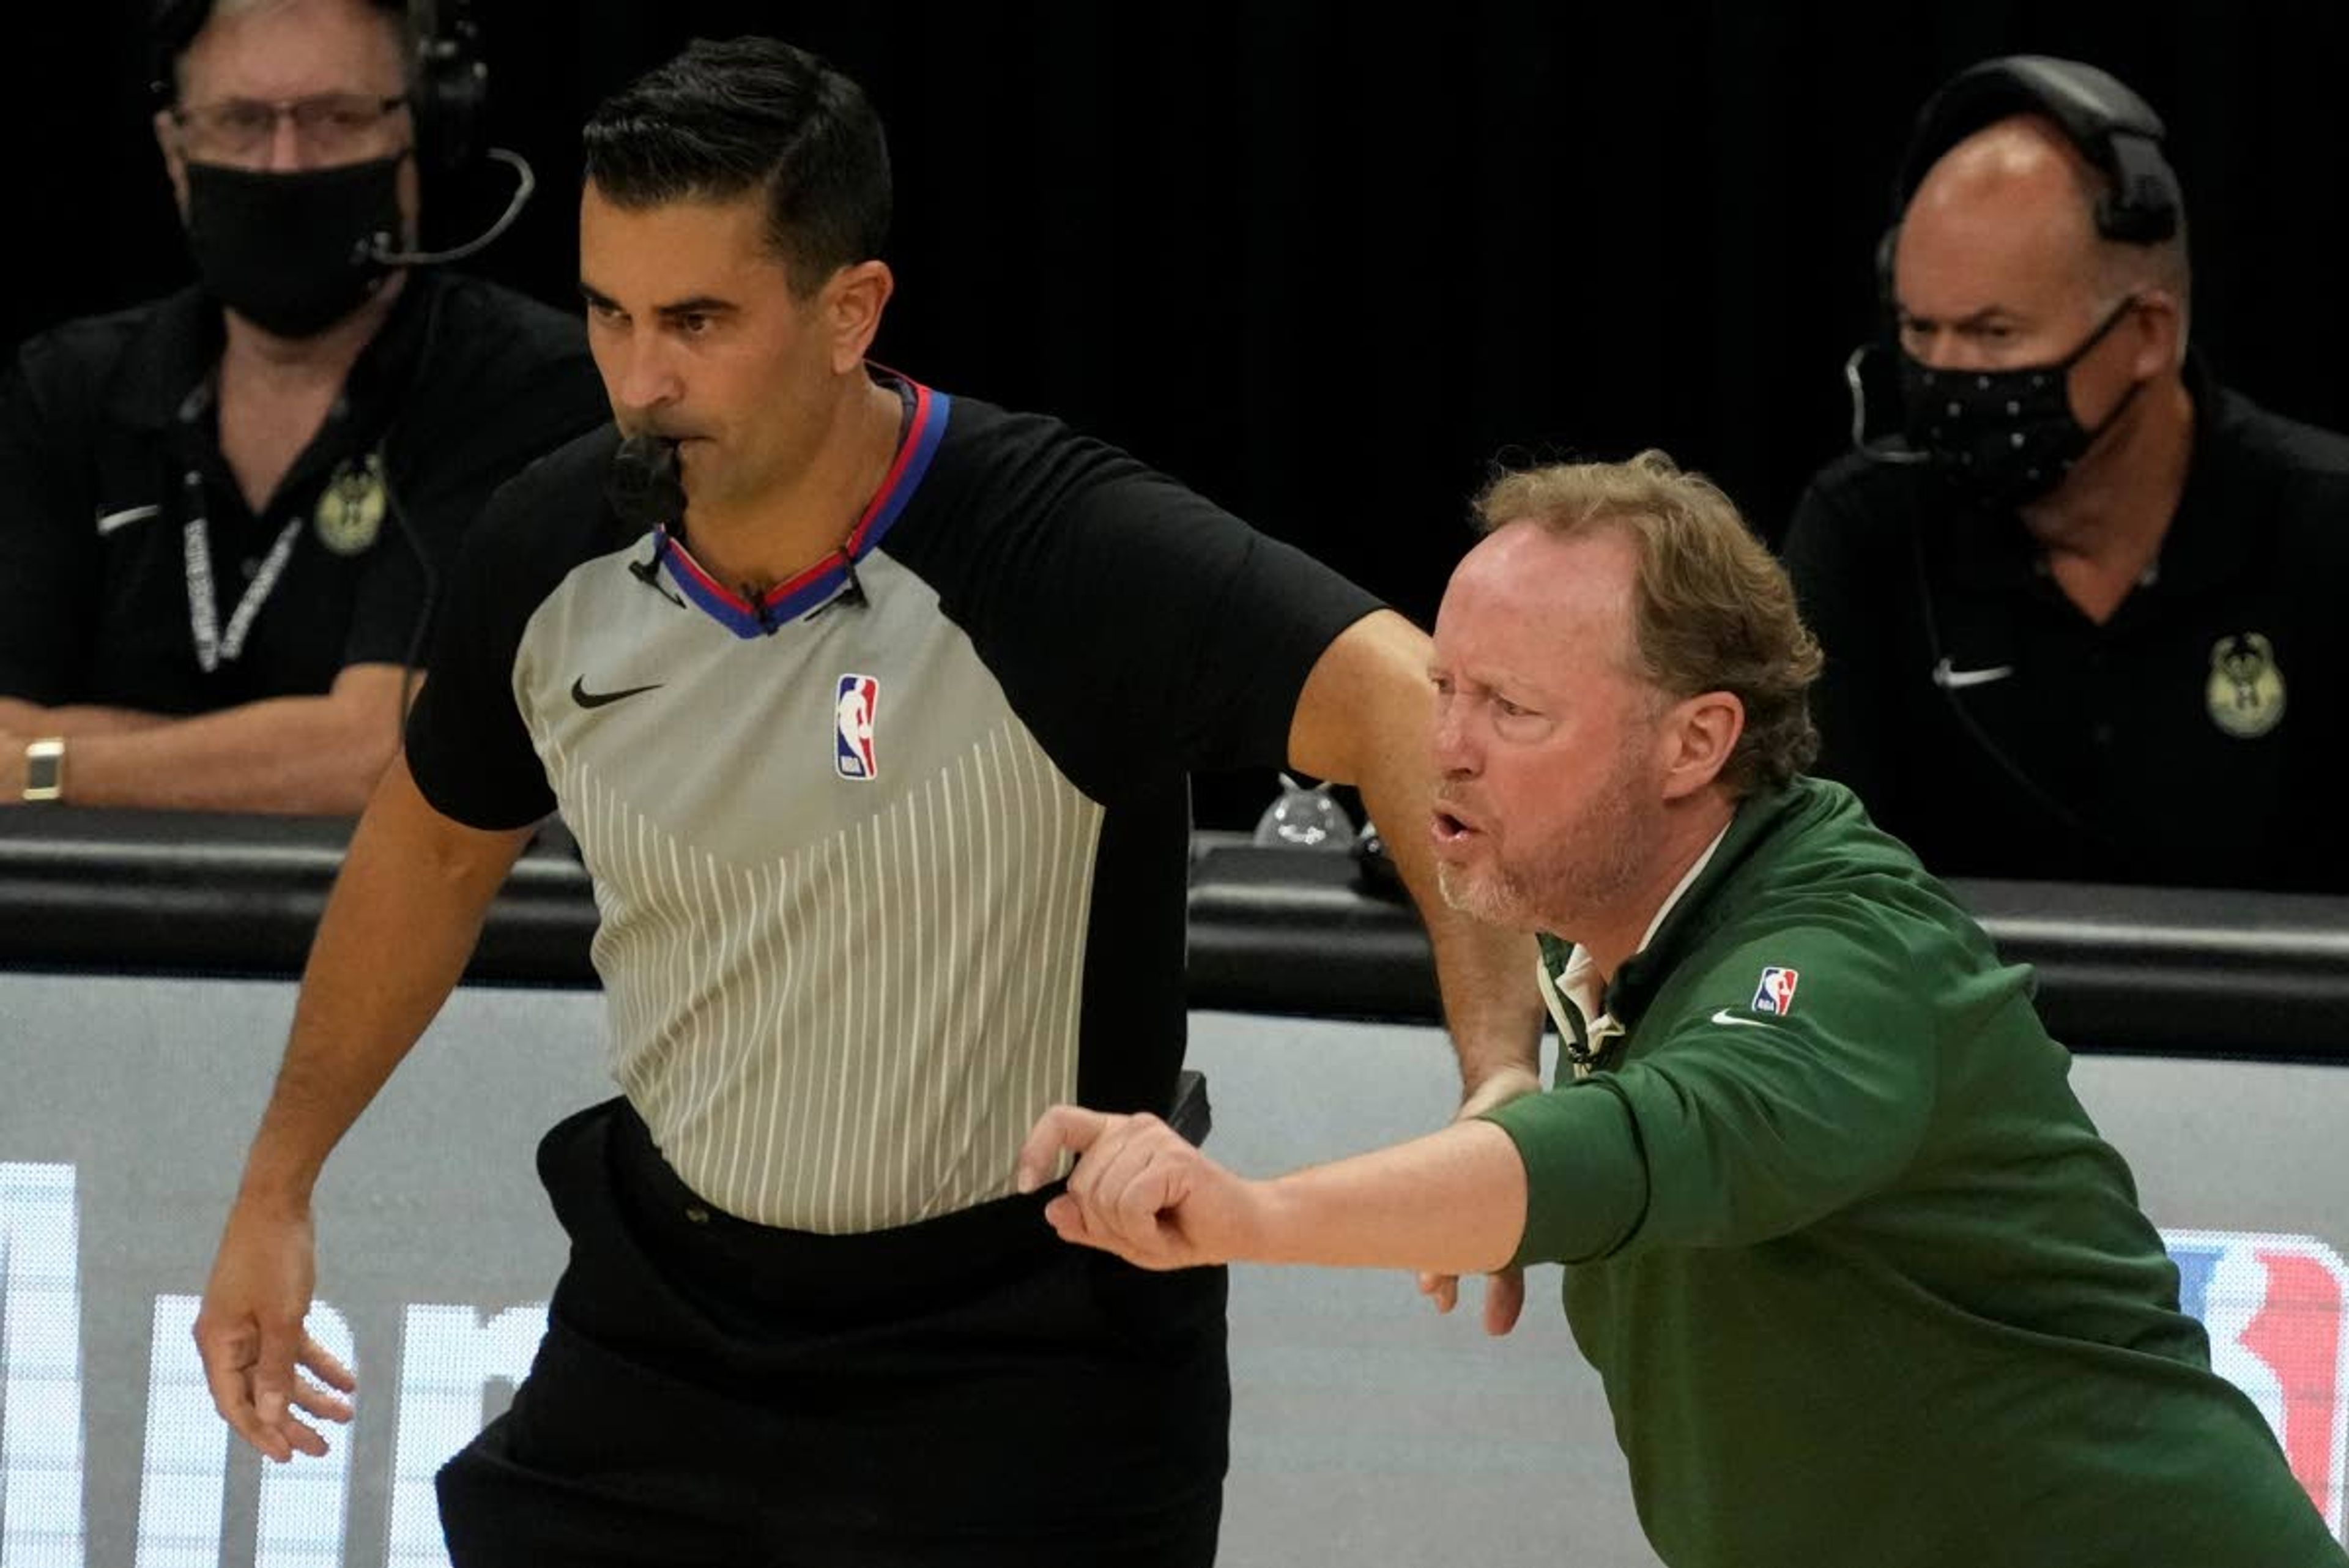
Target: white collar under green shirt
{"x": 1577, "y": 984}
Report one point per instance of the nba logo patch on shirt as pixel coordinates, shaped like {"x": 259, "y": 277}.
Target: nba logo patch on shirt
{"x": 1777, "y": 991}
{"x": 2276, "y": 1311}
{"x": 853, "y": 704}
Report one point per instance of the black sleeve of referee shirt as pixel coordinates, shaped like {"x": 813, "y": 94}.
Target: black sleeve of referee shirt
{"x": 467, "y": 745}
{"x": 1176, "y": 638}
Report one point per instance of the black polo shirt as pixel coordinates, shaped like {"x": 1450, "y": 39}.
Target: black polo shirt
{"x": 2187, "y": 741}
{"x": 109, "y": 446}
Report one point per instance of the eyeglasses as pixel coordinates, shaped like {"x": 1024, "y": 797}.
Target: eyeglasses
{"x": 327, "y": 126}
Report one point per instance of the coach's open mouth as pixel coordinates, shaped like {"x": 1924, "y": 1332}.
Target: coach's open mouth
{"x": 1450, "y": 827}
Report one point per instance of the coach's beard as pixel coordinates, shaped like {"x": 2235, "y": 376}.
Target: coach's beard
{"x": 1499, "y": 899}
{"x": 1568, "y": 886}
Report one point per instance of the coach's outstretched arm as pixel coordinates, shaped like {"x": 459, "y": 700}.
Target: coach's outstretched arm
{"x": 1453, "y": 1202}
{"x": 398, "y": 930}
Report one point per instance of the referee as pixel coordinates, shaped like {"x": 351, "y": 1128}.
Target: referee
{"x": 872, "y": 708}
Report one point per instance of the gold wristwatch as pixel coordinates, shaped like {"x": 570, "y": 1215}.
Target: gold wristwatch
{"x": 45, "y": 769}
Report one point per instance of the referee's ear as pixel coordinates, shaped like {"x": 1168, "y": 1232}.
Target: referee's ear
{"x": 849, "y": 309}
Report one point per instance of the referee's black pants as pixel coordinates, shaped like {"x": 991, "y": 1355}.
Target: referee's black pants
{"x": 968, "y": 1391}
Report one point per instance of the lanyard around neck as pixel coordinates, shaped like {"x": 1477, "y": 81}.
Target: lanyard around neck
{"x": 214, "y": 646}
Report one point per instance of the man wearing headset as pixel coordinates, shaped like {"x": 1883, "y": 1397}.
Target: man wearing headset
{"x": 2081, "y": 623}
{"x": 223, "y": 514}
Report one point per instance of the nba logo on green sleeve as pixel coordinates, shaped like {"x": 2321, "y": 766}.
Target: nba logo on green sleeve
{"x": 1775, "y": 993}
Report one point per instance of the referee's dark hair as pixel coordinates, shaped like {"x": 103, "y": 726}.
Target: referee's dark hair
{"x": 724, "y": 119}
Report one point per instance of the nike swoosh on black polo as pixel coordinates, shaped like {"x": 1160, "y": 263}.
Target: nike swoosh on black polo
{"x": 586, "y": 699}
{"x": 1950, "y": 679}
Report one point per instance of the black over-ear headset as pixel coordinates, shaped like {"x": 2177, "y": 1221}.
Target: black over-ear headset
{"x": 2114, "y": 129}
{"x": 448, "y": 83}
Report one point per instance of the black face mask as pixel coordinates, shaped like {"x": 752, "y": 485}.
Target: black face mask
{"x": 292, "y": 252}
{"x": 2002, "y": 438}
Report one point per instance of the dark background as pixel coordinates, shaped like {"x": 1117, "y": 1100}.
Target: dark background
{"x": 1326, "y": 270}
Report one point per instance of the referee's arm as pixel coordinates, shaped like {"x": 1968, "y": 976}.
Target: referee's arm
{"x": 398, "y": 930}
{"x": 1364, "y": 718}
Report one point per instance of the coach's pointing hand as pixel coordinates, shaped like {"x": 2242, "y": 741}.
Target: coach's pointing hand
{"x": 1140, "y": 1190}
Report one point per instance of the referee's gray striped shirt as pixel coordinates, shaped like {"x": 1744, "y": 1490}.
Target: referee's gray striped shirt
{"x": 854, "y": 1033}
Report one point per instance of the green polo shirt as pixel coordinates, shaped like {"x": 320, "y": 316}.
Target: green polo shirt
{"x": 1863, "y": 1281}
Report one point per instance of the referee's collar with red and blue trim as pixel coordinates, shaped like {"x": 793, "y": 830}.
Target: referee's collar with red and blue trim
{"x": 835, "y": 575}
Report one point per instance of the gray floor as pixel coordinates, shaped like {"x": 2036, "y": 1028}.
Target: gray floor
{"x": 1367, "y": 1430}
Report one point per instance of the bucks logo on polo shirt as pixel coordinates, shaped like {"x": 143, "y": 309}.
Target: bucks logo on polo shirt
{"x": 1775, "y": 992}
{"x": 350, "y": 510}
{"x": 853, "y": 704}
{"x": 2245, "y": 692}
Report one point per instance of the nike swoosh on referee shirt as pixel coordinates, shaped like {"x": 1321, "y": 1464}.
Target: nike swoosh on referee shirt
{"x": 1723, "y": 1015}
{"x": 1953, "y": 679}
{"x": 586, "y": 699}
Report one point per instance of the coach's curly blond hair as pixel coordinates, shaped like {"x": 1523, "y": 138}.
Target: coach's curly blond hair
{"x": 1714, "y": 611}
